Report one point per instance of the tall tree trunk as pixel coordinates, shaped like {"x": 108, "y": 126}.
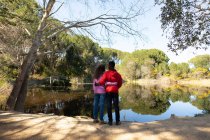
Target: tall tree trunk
{"x": 19, "y": 106}
{"x": 24, "y": 74}
{"x": 19, "y": 90}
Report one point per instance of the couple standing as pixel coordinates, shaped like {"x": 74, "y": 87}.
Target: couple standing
{"x": 106, "y": 85}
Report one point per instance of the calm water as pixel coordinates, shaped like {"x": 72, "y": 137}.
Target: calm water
{"x": 137, "y": 103}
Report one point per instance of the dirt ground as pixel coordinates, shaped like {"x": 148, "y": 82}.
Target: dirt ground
{"x": 15, "y": 126}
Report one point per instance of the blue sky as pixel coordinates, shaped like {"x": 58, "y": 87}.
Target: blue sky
{"x": 149, "y": 24}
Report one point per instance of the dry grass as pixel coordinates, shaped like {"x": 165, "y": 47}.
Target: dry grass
{"x": 202, "y": 82}
{"x": 165, "y": 81}
{"x": 168, "y": 82}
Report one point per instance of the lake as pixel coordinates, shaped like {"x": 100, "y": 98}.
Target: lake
{"x": 137, "y": 103}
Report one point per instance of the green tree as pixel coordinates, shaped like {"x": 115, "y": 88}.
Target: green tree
{"x": 108, "y": 23}
{"x": 202, "y": 61}
{"x": 90, "y": 53}
{"x": 19, "y": 12}
{"x": 158, "y": 56}
{"x": 18, "y": 20}
{"x": 199, "y": 73}
{"x": 179, "y": 70}
{"x": 113, "y": 54}
{"x": 184, "y": 67}
{"x": 186, "y": 22}
{"x": 72, "y": 64}
{"x": 148, "y": 61}
{"x": 162, "y": 69}
{"x": 174, "y": 71}
{"x": 129, "y": 67}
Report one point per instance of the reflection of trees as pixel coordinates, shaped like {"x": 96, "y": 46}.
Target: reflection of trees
{"x": 179, "y": 93}
{"x": 203, "y": 104}
{"x": 69, "y": 104}
{"x": 155, "y": 100}
{"x": 202, "y": 100}
{"x": 144, "y": 100}
{"x": 82, "y": 106}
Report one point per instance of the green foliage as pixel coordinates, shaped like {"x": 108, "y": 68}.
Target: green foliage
{"x": 90, "y": 53}
{"x": 17, "y": 17}
{"x": 202, "y": 61}
{"x": 73, "y": 64}
{"x": 143, "y": 100}
{"x": 8, "y": 70}
{"x": 186, "y": 22}
{"x": 77, "y": 56}
{"x": 150, "y": 63}
{"x": 180, "y": 70}
{"x": 19, "y": 12}
{"x": 156, "y": 100}
{"x": 113, "y": 54}
{"x": 72, "y": 56}
{"x": 162, "y": 69}
{"x": 200, "y": 72}
{"x": 184, "y": 69}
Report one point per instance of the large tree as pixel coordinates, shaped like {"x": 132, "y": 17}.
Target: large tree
{"x": 17, "y": 20}
{"x": 108, "y": 23}
{"x": 145, "y": 63}
{"x": 179, "y": 70}
{"x": 186, "y": 23}
{"x": 202, "y": 61}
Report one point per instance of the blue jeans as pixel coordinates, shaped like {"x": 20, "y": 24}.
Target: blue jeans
{"x": 99, "y": 100}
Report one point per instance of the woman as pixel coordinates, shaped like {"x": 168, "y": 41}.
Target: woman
{"x": 99, "y": 95}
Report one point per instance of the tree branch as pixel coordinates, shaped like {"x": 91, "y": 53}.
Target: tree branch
{"x": 57, "y": 9}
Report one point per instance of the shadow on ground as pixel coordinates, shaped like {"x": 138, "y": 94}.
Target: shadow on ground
{"x": 31, "y": 126}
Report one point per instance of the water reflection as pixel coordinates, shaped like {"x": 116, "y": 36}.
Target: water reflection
{"x": 137, "y": 103}
{"x": 144, "y": 100}
{"x": 145, "y": 104}
{"x": 59, "y": 103}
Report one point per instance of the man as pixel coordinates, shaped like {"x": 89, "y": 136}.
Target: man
{"x": 113, "y": 77}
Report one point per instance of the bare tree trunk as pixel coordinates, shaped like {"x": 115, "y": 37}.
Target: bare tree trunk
{"x": 19, "y": 106}
{"x": 25, "y": 70}
{"x": 19, "y": 91}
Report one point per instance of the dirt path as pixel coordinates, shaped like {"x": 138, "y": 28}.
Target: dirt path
{"x": 15, "y": 126}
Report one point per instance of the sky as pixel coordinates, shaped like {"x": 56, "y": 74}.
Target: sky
{"x": 149, "y": 24}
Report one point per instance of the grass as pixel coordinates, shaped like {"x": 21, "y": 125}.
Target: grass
{"x": 170, "y": 81}
{"x": 200, "y": 82}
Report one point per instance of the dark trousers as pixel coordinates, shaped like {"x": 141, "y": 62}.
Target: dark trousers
{"x": 115, "y": 98}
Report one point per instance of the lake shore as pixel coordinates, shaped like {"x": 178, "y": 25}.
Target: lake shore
{"x": 168, "y": 82}
{"x": 16, "y": 125}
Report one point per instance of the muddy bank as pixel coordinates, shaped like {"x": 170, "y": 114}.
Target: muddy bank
{"x": 41, "y": 126}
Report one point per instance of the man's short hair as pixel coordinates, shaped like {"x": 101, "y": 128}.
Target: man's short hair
{"x": 112, "y": 64}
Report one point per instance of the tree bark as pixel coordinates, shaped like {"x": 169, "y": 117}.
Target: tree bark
{"x": 19, "y": 106}
{"x": 24, "y": 74}
{"x": 17, "y": 97}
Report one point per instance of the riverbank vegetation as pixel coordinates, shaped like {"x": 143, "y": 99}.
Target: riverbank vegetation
{"x": 62, "y": 52}
{"x": 76, "y": 56}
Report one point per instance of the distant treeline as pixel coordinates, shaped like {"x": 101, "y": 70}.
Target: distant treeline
{"x": 77, "y": 56}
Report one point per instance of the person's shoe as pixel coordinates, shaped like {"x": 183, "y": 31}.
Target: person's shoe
{"x": 118, "y": 123}
{"x": 95, "y": 121}
{"x": 110, "y": 123}
{"x": 102, "y": 122}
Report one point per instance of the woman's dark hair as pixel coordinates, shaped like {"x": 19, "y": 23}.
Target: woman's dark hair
{"x": 99, "y": 71}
